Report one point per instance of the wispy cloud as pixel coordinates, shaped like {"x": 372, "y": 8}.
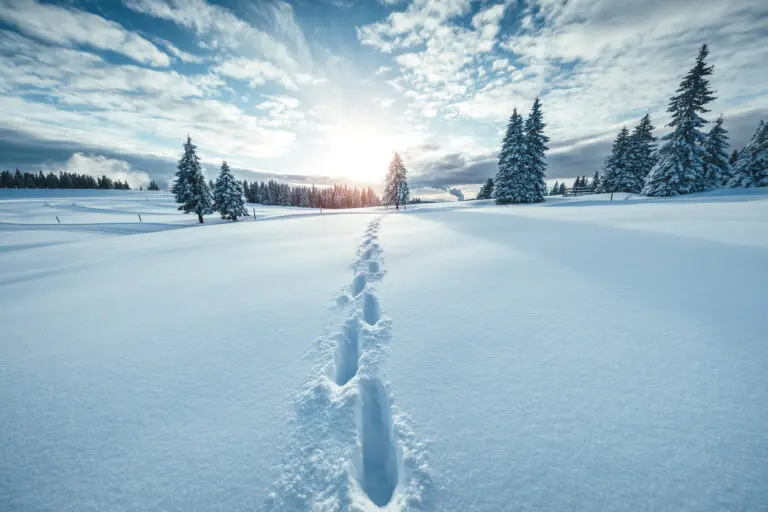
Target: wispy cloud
{"x": 67, "y": 26}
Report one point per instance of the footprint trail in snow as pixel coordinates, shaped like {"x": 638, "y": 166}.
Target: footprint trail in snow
{"x": 352, "y": 450}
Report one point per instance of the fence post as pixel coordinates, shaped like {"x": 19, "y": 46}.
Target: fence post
{"x": 611, "y": 196}
{"x": 57, "y": 219}
{"x": 254, "y": 213}
{"x": 139, "y": 217}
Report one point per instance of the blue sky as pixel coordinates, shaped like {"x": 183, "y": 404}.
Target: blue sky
{"x": 313, "y": 90}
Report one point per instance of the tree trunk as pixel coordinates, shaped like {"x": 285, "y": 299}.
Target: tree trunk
{"x": 200, "y": 217}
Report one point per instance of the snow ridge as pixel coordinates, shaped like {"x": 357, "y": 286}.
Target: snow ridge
{"x": 352, "y": 450}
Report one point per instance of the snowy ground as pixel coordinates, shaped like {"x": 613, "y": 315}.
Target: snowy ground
{"x": 584, "y": 354}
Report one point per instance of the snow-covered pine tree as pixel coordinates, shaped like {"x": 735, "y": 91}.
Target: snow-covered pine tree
{"x": 190, "y": 189}
{"x": 680, "y": 165}
{"x": 486, "y": 191}
{"x": 596, "y": 181}
{"x": 396, "y": 188}
{"x": 734, "y": 157}
{"x": 642, "y": 149}
{"x": 555, "y": 189}
{"x": 534, "y": 156}
{"x": 618, "y": 174}
{"x": 751, "y": 169}
{"x": 717, "y": 170}
{"x": 508, "y": 186}
{"x": 228, "y": 197}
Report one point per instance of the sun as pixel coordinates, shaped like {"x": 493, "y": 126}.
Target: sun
{"x": 358, "y": 152}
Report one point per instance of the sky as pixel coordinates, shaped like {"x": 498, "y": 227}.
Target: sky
{"x": 316, "y": 91}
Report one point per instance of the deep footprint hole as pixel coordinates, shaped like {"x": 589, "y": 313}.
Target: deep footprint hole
{"x": 371, "y": 312}
{"x": 379, "y": 456}
{"x": 347, "y": 353}
{"x": 373, "y": 267}
{"x": 358, "y": 283}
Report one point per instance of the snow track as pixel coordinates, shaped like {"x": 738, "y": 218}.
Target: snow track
{"x": 352, "y": 450}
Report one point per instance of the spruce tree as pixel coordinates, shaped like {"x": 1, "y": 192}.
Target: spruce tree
{"x": 562, "y": 188}
{"x": 618, "y": 174}
{"x": 508, "y": 186}
{"x": 396, "y": 188}
{"x": 486, "y": 191}
{"x": 642, "y": 149}
{"x": 190, "y": 189}
{"x": 717, "y": 170}
{"x": 555, "y": 189}
{"x": 228, "y": 197}
{"x": 734, "y": 157}
{"x": 596, "y": 181}
{"x": 534, "y": 159}
{"x": 751, "y": 169}
{"x": 680, "y": 165}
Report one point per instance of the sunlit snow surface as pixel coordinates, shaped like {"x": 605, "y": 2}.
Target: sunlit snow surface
{"x": 583, "y": 354}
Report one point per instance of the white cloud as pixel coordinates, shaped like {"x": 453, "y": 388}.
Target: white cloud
{"x": 178, "y": 53}
{"x": 67, "y": 27}
{"x": 226, "y": 30}
{"x": 256, "y": 72}
{"x": 99, "y": 165}
{"x": 127, "y": 109}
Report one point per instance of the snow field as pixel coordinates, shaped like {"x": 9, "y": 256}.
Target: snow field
{"x": 352, "y": 449}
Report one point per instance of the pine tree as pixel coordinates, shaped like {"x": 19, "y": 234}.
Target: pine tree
{"x": 618, "y": 174}
{"x": 642, "y": 149}
{"x": 508, "y": 186}
{"x": 396, "y": 189}
{"x": 486, "y": 191}
{"x": 680, "y": 165}
{"x": 190, "y": 189}
{"x": 734, "y": 157}
{"x": 717, "y": 170}
{"x": 534, "y": 160}
{"x": 751, "y": 169}
{"x": 596, "y": 181}
{"x": 555, "y": 189}
{"x": 228, "y": 197}
{"x": 153, "y": 185}
{"x": 562, "y": 189}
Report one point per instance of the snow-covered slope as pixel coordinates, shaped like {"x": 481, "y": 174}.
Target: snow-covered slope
{"x": 578, "y": 355}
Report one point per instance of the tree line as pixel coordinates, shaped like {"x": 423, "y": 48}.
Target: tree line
{"x": 335, "y": 196}
{"x": 688, "y": 159}
{"x": 228, "y": 196}
{"x": 64, "y": 180}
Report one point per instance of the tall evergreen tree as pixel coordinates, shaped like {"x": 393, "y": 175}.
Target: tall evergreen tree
{"x": 751, "y": 169}
{"x": 508, "y": 186}
{"x": 396, "y": 188}
{"x": 486, "y": 191}
{"x": 717, "y": 170}
{"x": 642, "y": 149}
{"x": 534, "y": 151}
{"x": 190, "y": 189}
{"x": 680, "y": 166}
{"x": 618, "y": 174}
{"x": 734, "y": 157}
{"x": 228, "y": 197}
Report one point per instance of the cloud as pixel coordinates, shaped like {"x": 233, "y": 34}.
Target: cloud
{"x": 457, "y": 193}
{"x": 256, "y": 72}
{"x": 180, "y": 54}
{"x": 222, "y": 28}
{"x": 99, "y": 165}
{"x": 70, "y": 27}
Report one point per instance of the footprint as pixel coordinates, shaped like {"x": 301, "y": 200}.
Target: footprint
{"x": 358, "y": 283}
{"x": 371, "y": 313}
{"x": 379, "y": 457}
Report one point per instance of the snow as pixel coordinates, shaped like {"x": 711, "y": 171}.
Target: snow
{"x": 580, "y": 354}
